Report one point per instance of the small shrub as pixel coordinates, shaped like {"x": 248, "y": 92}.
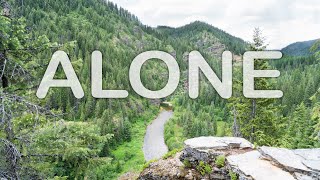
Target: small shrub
{"x": 128, "y": 155}
{"x": 118, "y": 166}
{"x": 204, "y": 168}
{"x": 220, "y": 161}
{"x": 233, "y": 175}
{"x": 186, "y": 163}
{"x": 171, "y": 153}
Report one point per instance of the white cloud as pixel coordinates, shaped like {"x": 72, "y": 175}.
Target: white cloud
{"x": 283, "y": 22}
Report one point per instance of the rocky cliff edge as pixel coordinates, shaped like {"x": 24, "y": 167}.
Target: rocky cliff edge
{"x": 234, "y": 158}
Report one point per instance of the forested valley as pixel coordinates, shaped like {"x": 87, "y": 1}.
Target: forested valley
{"x": 61, "y": 137}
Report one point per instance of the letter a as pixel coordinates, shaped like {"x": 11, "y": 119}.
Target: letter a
{"x": 72, "y": 80}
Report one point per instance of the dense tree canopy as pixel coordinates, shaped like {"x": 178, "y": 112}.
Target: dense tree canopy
{"x": 61, "y": 137}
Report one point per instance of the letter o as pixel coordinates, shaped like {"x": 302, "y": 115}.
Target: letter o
{"x": 135, "y": 70}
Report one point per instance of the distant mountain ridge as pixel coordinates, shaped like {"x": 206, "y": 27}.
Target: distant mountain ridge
{"x": 299, "y": 48}
{"x": 204, "y": 35}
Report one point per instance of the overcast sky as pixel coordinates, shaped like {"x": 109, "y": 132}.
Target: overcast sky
{"x": 282, "y": 21}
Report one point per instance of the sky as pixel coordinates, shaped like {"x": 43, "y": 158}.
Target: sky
{"x": 282, "y": 21}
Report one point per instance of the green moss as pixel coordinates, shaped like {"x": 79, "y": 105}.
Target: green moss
{"x": 187, "y": 164}
{"x": 233, "y": 175}
{"x": 171, "y": 153}
{"x": 204, "y": 168}
{"x": 220, "y": 161}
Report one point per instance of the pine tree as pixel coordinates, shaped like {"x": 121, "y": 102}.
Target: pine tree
{"x": 316, "y": 99}
{"x": 258, "y": 120}
{"x": 316, "y": 118}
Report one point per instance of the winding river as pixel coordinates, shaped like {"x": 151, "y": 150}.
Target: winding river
{"x": 154, "y": 146}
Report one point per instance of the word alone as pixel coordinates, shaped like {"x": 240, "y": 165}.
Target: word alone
{"x": 196, "y": 64}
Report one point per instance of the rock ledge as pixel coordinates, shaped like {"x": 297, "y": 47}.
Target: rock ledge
{"x": 198, "y": 160}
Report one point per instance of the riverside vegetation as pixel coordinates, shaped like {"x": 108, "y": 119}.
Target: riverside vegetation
{"x": 61, "y": 137}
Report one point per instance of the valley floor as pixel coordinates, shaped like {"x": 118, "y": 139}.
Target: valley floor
{"x": 129, "y": 155}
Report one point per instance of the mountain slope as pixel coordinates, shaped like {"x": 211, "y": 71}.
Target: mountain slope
{"x": 204, "y": 35}
{"x": 299, "y": 48}
{"x": 96, "y": 25}
{"x": 83, "y": 26}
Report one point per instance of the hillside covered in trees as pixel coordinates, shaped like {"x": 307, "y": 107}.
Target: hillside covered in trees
{"x": 61, "y": 137}
{"x": 299, "y": 48}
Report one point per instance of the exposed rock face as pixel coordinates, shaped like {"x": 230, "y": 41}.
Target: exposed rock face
{"x": 207, "y": 149}
{"x": 301, "y": 161}
{"x": 251, "y": 165}
{"x": 170, "y": 168}
{"x": 216, "y": 143}
{"x": 284, "y": 157}
{"x": 129, "y": 176}
{"x": 242, "y": 162}
{"x": 311, "y": 158}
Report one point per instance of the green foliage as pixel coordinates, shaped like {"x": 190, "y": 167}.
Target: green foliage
{"x": 233, "y": 175}
{"x": 191, "y": 32}
{"x": 59, "y": 178}
{"x": 171, "y": 153}
{"x": 73, "y": 146}
{"x": 146, "y": 165}
{"x": 199, "y": 117}
{"x": 300, "y": 129}
{"x": 220, "y": 161}
{"x": 130, "y": 154}
{"x": 298, "y": 48}
{"x": 223, "y": 129}
{"x": 99, "y": 138}
{"x": 315, "y": 48}
{"x": 187, "y": 163}
{"x": 18, "y": 54}
{"x": 183, "y": 125}
{"x": 79, "y": 27}
{"x": 315, "y": 116}
{"x": 203, "y": 168}
{"x": 258, "y": 120}
{"x": 173, "y": 134}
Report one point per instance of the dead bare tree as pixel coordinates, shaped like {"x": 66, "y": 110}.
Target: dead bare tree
{"x": 235, "y": 127}
{"x": 11, "y": 156}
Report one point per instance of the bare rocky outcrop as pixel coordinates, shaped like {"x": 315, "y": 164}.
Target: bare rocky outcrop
{"x": 301, "y": 161}
{"x": 206, "y": 149}
{"x": 198, "y": 160}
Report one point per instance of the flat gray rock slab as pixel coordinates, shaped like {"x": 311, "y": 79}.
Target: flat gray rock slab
{"x": 252, "y": 166}
{"x": 311, "y": 154}
{"x": 284, "y": 157}
{"x": 303, "y": 177}
{"x": 217, "y": 143}
{"x": 312, "y": 164}
{"x": 311, "y": 158}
